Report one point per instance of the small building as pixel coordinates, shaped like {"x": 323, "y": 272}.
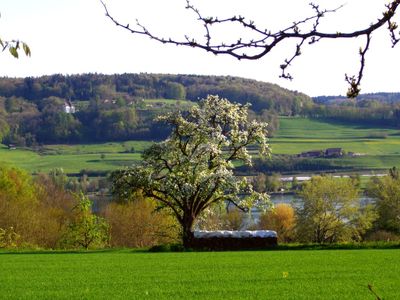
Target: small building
{"x": 333, "y": 152}
{"x": 313, "y": 153}
{"x": 69, "y": 108}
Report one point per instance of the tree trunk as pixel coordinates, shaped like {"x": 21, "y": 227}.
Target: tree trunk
{"x": 187, "y": 233}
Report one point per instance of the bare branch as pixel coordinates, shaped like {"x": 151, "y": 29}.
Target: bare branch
{"x": 354, "y": 81}
{"x": 257, "y": 48}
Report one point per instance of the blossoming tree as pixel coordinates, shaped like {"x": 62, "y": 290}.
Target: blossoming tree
{"x": 192, "y": 170}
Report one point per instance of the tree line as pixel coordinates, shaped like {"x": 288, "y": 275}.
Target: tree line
{"x": 46, "y": 212}
{"x": 370, "y": 112}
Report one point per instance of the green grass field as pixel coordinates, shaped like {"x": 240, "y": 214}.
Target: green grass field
{"x": 324, "y": 274}
{"x": 379, "y": 148}
{"x": 299, "y": 134}
{"x": 73, "y": 158}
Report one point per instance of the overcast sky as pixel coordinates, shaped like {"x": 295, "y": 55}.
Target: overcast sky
{"x": 74, "y": 36}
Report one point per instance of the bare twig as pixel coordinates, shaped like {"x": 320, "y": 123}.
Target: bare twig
{"x": 257, "y": 48}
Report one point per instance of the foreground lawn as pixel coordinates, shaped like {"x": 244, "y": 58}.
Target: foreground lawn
{"x": 324, "y": 274}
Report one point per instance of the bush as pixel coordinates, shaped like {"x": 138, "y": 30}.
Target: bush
{"x": 54, "y": 211}
{"x": 18, "y": 203}
{"x": 331, "y": 212}
{"x": 86, "y": 230}
{"x": 281, "y": 219}
{"x": 386, "y": 193}
{"x": 8, "y": 238}
{"x": 137, "y": 224}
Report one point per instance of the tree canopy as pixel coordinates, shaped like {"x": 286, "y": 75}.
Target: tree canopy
{"x": 192, "y": 169}
{"x": 386, "y": 193}
{"x": 331, "y": 211}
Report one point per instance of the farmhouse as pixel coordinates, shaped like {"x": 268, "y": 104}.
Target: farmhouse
{"x": 329, "y": 152}
{"x": 313, "y": 153}
{"x": 333, "y": 152}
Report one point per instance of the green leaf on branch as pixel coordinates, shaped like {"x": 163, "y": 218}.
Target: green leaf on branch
{"x": 26, "y": 48}
{"x": 14, "y": 52}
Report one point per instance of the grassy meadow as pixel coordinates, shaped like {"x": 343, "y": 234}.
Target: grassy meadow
{"x": 379, "y": 148}
{"x": 73, "y": 158}
{"x": 296, "y": 135}
{"x": 312, "y": 274}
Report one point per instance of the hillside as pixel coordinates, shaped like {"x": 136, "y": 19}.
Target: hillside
{"x": 91, "y": 108}
{"x": 149, "y": 86}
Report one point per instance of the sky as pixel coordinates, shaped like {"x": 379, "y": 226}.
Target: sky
{"x": 75, "y": 36}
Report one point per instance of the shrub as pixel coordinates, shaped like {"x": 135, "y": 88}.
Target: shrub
{"x": 86, "y": 230}
{"x": 54, "y": 211}
{"x": 138, "y": 224}
{"x": 281, "y": 219}
{"x": 386, "y": 192}
{"x": 331, "y": 212}
{"x": 18, "y": 203}
{"x": 8, "y": 238}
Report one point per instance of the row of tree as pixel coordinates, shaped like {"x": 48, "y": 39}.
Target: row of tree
{"x": 365, "y": 112}
{"x": 41, "y": 212}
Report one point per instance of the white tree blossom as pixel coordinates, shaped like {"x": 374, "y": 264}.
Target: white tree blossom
{"x": 192, "y": 170}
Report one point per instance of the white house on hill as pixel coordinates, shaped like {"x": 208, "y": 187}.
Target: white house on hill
{"x": 69, "y": 108}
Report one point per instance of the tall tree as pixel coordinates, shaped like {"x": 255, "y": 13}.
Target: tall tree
{"x": 192, "y": 170}
{"x": 386, "y": 192}
{"x": 331, "y": 211}
{"x": 262, "y": 41}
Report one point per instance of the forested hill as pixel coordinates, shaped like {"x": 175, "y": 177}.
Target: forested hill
{"x": 93, "y": 107}
{"x": 378, "y": 97}
{"x": 149, "y": 86}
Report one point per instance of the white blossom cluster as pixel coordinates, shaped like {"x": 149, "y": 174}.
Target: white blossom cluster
{"x": 193, "y": 169}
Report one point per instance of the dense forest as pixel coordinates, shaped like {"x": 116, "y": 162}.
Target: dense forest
{"x": 95, "y": 107}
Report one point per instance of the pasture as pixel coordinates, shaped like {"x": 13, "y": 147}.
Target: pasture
{"x": 312, "y": 274}
{"x": 300, "y": 134}
{"x": 379, "y": 148}
{"x": 73, "y": 158}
